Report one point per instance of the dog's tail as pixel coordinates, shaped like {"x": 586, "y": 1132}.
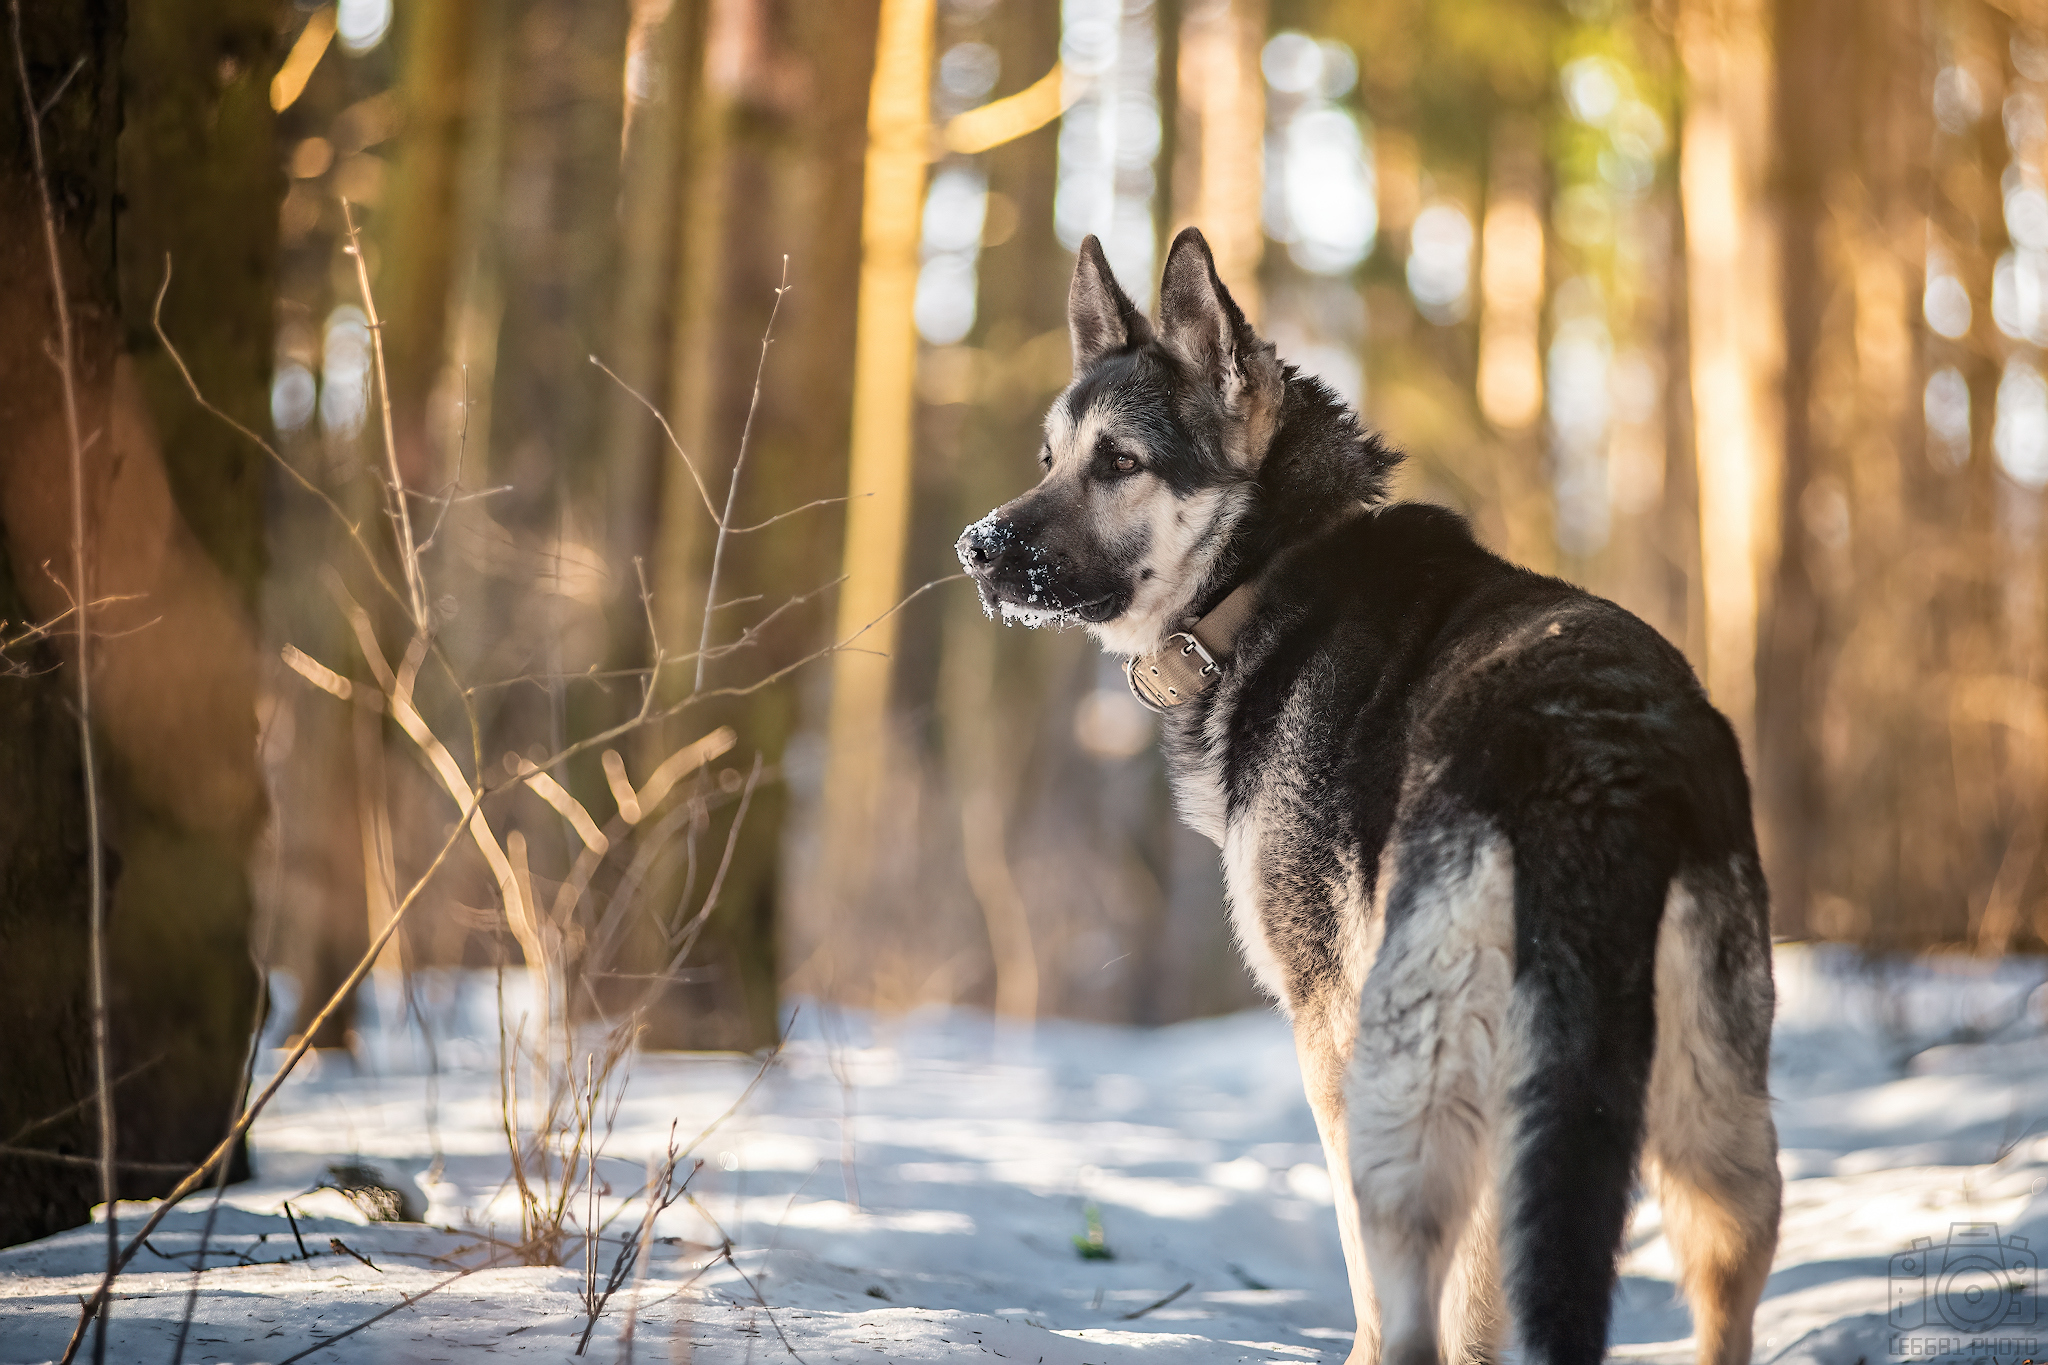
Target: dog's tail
{"x": 1712, "y": 1147}
{"x": 1589, "y": 896}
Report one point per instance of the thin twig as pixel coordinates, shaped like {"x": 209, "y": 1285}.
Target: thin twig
{"x": 645, "y": 1254}
{"x": 345, "y": 1249}
{"x": 760, "y": 1074}
{"x": 71, "y": 1159}
{"x": 688, "y": 463}
{"x": 408, "y": 552}
{"x": 95, "y": 870}
{"x": 770, "y": 1312}
{"x": 405, "y": 1301}
{"x": 696, "y": 698}
{"x": 805, "y": 507}
{"x": 355, "y": 532}
{"x": 292, "y": 1218}
{"x": 42, "y": 630}
{"x": 1133, "y": 1317}
{"x": 43, "y": 109}
{"x": 732, "y": 488}
{"x": 690, "y": 932}
{"x": 369, "y": 556}
{"x": 751, "y": 635}
{"x": 455, "y": 484}
{"x": 68, "y": 1110}
{"x": 220, "y": 1180}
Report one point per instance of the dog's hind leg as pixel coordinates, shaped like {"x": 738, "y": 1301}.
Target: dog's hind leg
{"x": 1471, "y": 1318}
{"x": 1421, "y": 1089}
{"x": 1322, "y": 1070}
{"x": 1581, "y": 1030}
{"x": 1711, "y": 1144}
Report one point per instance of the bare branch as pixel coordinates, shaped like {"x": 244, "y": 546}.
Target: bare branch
{"x": 732, "y": 488}
{"x": 408, "y": 552}
{"x": 688, "y": 463}
{"x": 455, "y": 484}
{"x": 43, "y": 109}
{"x": 156, "y": 320}
{"x": 782, "y": 516}
{"x": 81, "y": 600}
{"x": 606, "y": 736}
{"x": 747, "y": 637}
{"x": 71, "y": 1159}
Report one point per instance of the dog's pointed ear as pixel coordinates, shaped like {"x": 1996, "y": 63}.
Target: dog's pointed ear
{"x": 1101, "y": 317}
{"x": 1205, "y": 329}
{"x": 1198, "y": 320}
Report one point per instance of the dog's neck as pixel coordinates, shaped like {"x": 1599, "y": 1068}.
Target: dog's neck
{"x": 1318, "y": 468}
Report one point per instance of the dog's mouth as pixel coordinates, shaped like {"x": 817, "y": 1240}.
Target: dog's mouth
{"x": 1018, "y": 604}
{"x": 1100, "y": 609}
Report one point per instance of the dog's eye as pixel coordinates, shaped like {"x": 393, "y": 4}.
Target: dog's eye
{"x": 1125, "y": 464}
{"x": 1045, "y": 458}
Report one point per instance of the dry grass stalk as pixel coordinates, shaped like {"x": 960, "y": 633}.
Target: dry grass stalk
{"x": 81, "y": 600}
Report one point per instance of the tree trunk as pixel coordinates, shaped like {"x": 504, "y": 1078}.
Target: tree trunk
{"x": 1731, "y": 308}
{"x": 1810, "y": 80}
{"x": 165, "y": 129}
{"x": 418, "y": 224}
{"x": 775, "y": 169}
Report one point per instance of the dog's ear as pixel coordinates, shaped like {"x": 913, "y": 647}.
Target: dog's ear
{"x": 1204, "y": 328}
{"x": 1101, "y": 317}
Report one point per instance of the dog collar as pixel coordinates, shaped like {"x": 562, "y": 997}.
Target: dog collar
{"x": 1191, "y": 660}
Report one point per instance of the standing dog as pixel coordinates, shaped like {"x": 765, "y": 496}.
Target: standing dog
{"x": 1485, "y": 839}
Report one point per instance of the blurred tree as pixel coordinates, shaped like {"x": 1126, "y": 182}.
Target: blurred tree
{"x": 159, "y": 142}
{"x": 1735, "y": 346}
{"x": 1814, "y": 145}
{"x": 997, "y": 769}
{"x": 880, "y": 470}
{"x": 418, "y": 225}
{"x": 774, "y": 169}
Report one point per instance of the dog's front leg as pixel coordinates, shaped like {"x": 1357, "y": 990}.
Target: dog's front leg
{"x": 1322, "y": 1074}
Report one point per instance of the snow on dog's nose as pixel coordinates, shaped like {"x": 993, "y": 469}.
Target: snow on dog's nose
{"x": 982, "y": 544}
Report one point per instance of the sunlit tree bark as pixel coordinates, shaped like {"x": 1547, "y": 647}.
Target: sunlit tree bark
{"x": 1732, "y": 273}
{"x": 879, "y": 473}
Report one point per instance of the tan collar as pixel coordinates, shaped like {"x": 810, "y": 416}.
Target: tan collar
{"x": 1191, "y": 660}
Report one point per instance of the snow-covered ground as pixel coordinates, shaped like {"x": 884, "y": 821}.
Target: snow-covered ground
{"x": 914, "y": 1188}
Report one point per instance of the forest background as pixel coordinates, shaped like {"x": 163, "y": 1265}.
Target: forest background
{"x": 1729, "y": 310}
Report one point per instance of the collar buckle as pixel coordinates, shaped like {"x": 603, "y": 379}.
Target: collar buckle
{"x": 1183, "y": 668}
{"x": 1176, "y": 673}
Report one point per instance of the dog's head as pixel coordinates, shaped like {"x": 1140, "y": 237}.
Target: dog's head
{"x": 1151, "y": 459}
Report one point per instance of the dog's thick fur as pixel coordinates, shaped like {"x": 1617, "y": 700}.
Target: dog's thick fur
{"x": 1486, "y": 842}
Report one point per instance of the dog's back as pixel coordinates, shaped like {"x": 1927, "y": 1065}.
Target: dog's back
{"x": 1513, "y": 806}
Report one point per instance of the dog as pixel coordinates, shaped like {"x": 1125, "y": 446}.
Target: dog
{"x": 1486, "y": 842}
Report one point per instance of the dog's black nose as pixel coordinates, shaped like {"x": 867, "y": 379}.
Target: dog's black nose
{"x": 980, "y": 543}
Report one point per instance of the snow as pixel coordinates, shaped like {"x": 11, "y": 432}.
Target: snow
{"x": 914, "y": 1188}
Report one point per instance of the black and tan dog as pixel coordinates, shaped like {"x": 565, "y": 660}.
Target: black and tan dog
{"x": 1485, "y": 839}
